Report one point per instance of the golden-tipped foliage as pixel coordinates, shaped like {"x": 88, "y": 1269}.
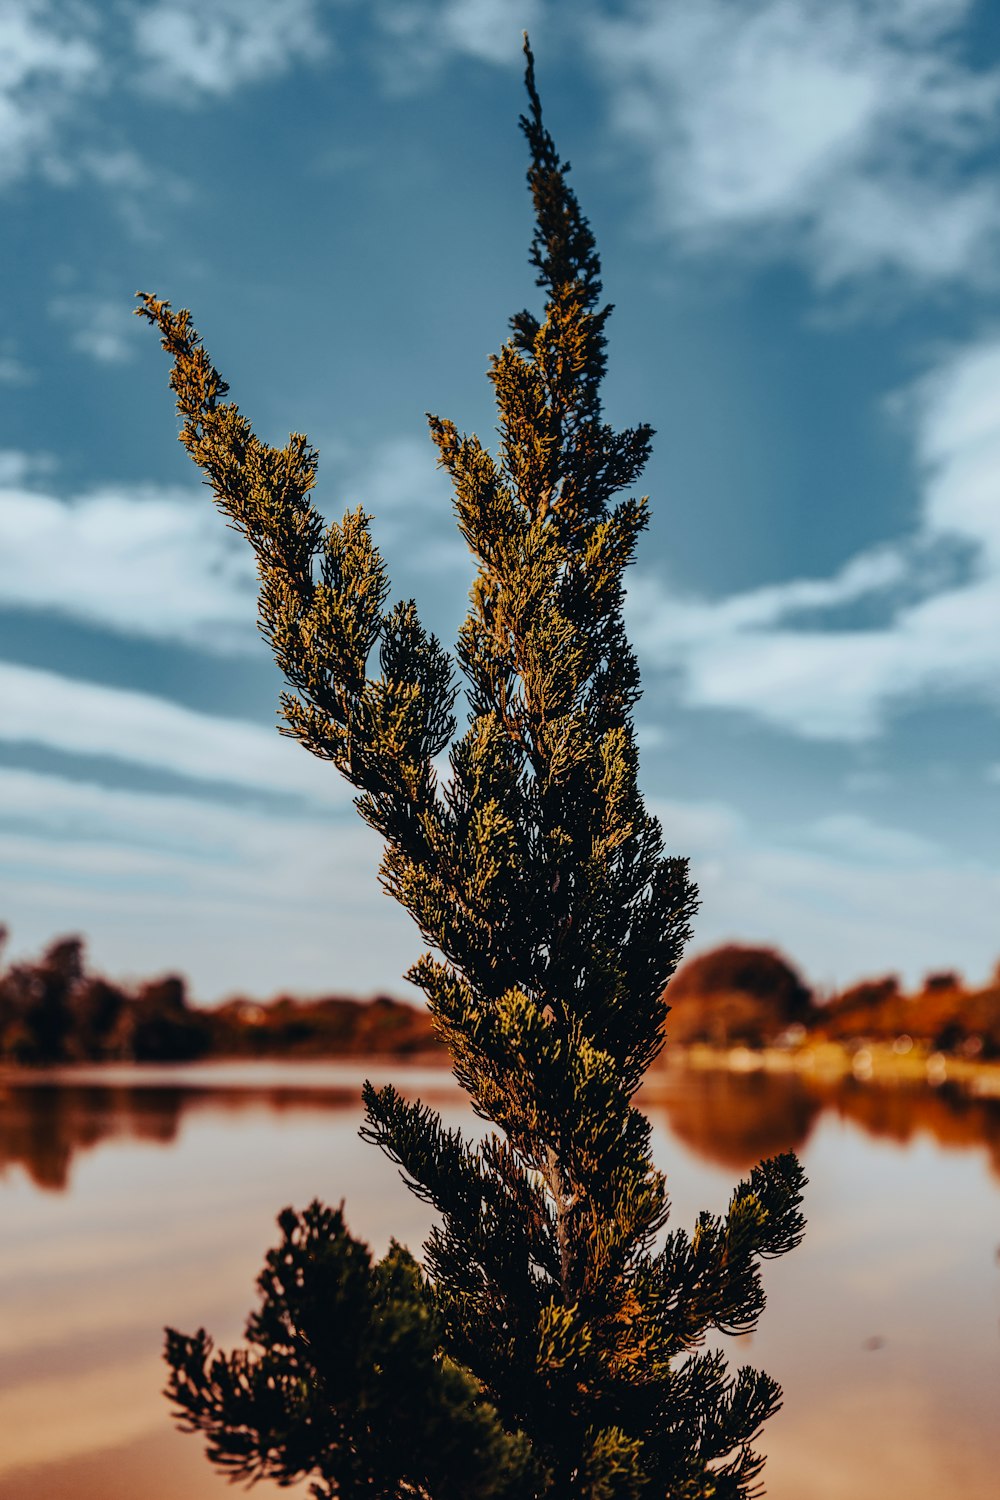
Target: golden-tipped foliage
{"x": 539, "y": 881}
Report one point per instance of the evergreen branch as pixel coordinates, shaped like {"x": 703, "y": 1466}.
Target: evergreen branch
{"x": 344, "y": 1379}
{"x": 322, "y": 593}
{"x": 549, "y": 1319}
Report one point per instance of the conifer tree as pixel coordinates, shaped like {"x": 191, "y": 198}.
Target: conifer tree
{"x": 566, "y": 1321}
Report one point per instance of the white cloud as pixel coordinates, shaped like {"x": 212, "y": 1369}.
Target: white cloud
{"x": 57, "y": 56}
{"x": 145, "y": 561}
{"x": 488, "y": 29}
{"x": 747, "y": 653}
{"x": 101, "y": 327}
{"x": 17, "y": 466}
{"x": 845, "y": 130}
{"x": 423, "y": 35}
{"x": 134, "y": 824}
{"x": 47, "y": 65}
{"x": 651, "y": 737}
{"x": 138, "y": 192}
{"x": 858, "y": 837}
{"x": 160, "y": 562}
{"x": 409, "y": 498}
{"x": 13, "y": 371}
{"x": 958, "y": 443}
{"x": 686, "y": 622}
{"x": 191, "y": 49}
{"x": 845, "y": 897}
{"x": 122, "y": 167}
{"x": 238, "y": 898}
{"x": 398, "y": 479}
{"x": 89, "y": 719}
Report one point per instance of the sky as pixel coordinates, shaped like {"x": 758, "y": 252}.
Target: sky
{"x": 797, "y": 203}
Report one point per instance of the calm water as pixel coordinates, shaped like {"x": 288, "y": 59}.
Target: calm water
{"x": 133, "y": 1199}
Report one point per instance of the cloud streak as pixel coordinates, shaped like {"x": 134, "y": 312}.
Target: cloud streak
{"x": 267, "y": 901}
{"x": 188, "y": 50}
{"x": 149, "y": 561}
{"x": 841, "y": 131}
{"x": 89, "y": 719}
{"x": 242, "y": 898}
{"x": 747, "y": 653}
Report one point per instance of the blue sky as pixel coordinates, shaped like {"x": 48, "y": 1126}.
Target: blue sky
{"x": 798, "y": 208}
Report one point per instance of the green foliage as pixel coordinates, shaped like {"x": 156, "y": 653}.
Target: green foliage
{"x": 540, "y": 882}
{"x": 344, "y": 1379}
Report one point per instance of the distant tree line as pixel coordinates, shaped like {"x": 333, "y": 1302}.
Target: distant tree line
{"x": 54, "y": 1010}
{"x": 754, "y": 997}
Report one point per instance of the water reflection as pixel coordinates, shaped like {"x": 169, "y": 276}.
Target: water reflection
{"x": 951, "y": 1117}
{"x": 127, "y": 1205}
{"x": 734, "y": 1119}
{"x": 731, "y": 1119}
{"x": 44, "y": 1126}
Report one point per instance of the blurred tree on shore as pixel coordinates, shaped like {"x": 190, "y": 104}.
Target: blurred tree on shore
{"x": 736, "y": 995}
{"x": 541, "y": 883}
{"x": 54, "y": 1011}
{"x": 944, "y": 1014}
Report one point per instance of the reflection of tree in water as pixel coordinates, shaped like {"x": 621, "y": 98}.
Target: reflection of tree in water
{"x": 735, "y": 1119}
{"x": 953, "y": 1119}
{"x": 43, "y": 1126}
{"x": 729, "y": 1118}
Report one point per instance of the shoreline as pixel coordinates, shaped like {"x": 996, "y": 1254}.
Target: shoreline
{"x": 880, "y": 1064}
{"x": 231, "y": 1070}
{"x": 834, "y": 1062}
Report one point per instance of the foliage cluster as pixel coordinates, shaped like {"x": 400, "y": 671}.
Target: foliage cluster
{"x": 945, "y": 1014}
{"x": 344, "y": 1377}
{"x": 333, "y": 1026}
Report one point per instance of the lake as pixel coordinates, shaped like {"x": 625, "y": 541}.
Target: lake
{"x": 134, "y": 1198}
